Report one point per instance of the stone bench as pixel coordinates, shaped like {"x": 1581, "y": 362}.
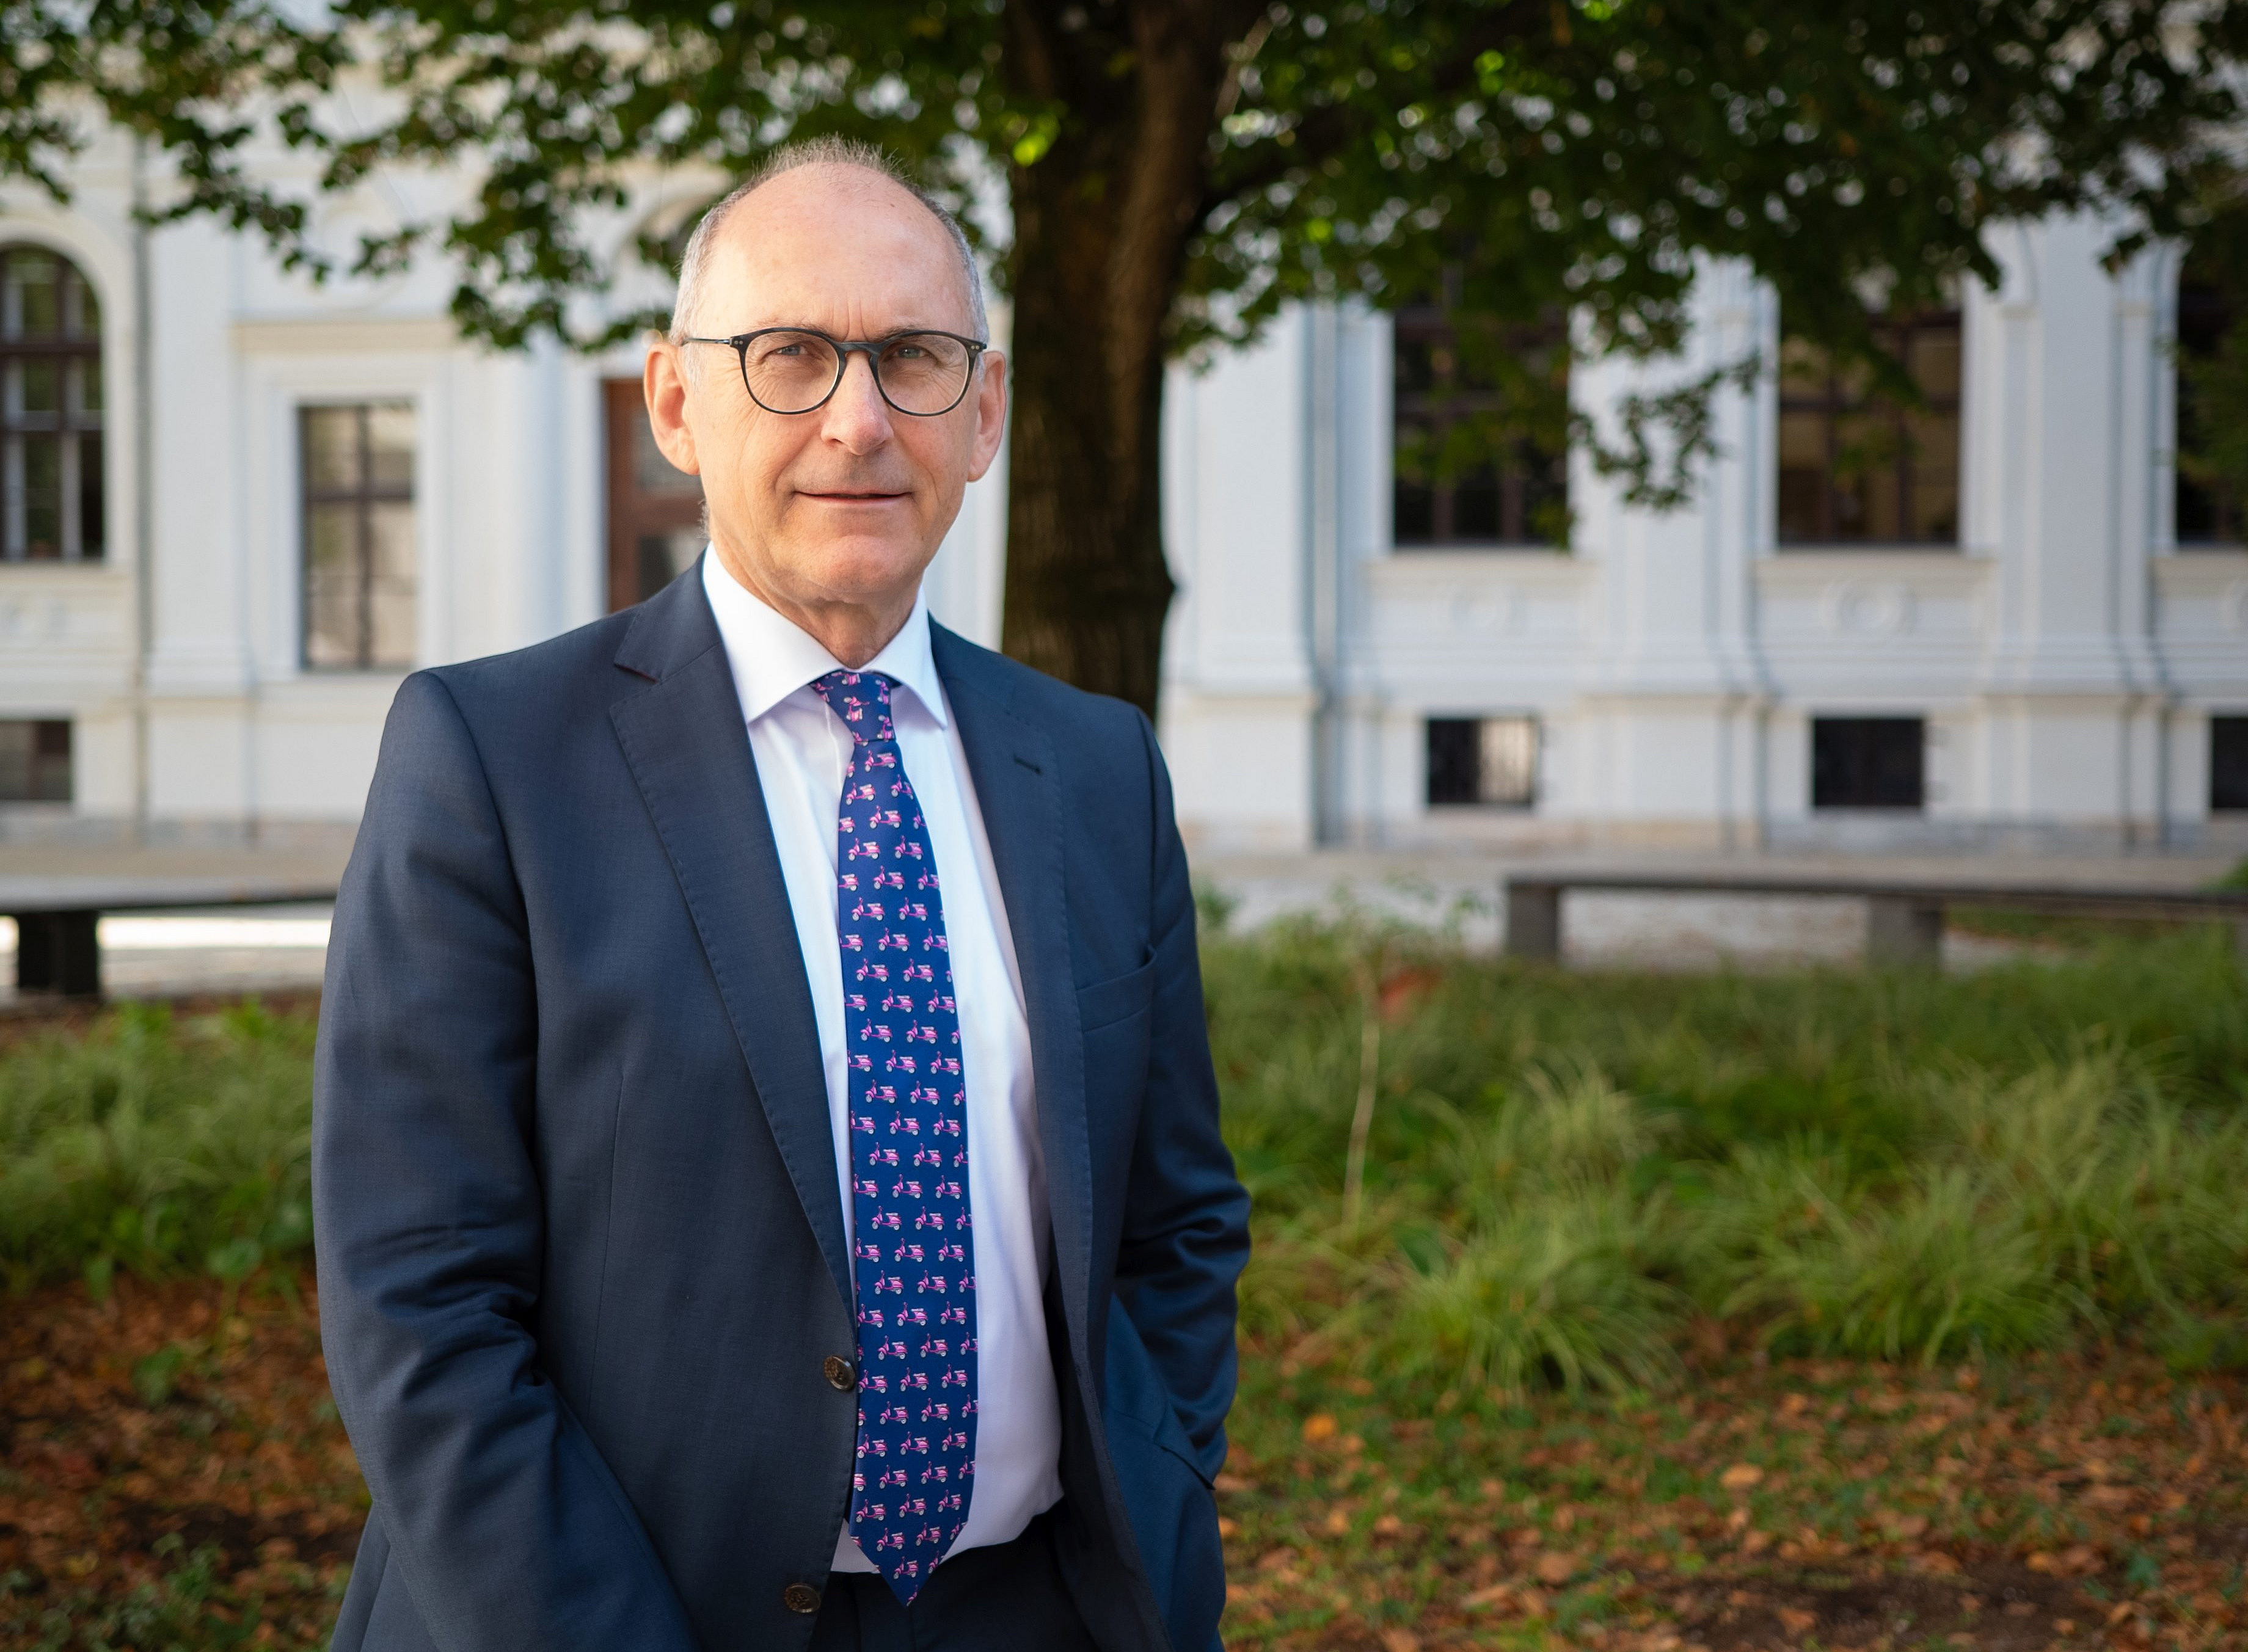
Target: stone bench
{"x": 57, "y": 941}
{"x": 1904, "y": 920}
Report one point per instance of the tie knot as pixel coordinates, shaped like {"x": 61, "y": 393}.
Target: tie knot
{"x": 861, "y": 699}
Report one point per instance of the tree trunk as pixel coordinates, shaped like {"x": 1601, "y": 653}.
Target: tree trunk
{"x": 1102, "y": 222}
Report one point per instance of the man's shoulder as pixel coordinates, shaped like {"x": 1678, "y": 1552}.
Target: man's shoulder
{"x": 1047, "y": 701}
{"x": 560, "y": 671}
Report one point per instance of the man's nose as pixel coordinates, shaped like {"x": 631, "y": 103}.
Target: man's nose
{"x": 856, "y": 416}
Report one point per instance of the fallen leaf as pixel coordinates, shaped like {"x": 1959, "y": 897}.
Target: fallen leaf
{"x": 1909, "y": 1526}
{"x": 1337, "y": 1523}
{"x": 1388, "y": 1525}
{"x": 1555, "y": 1568}
{"x": 1318, "y": 1428}
{"x": 1741, "y": 1477}
{"x": 1228, "y": 1526}
{"x": 1400, "y": 1641}
{"x": 1796, "y": 1620}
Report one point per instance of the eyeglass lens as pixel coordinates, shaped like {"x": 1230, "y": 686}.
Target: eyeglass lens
{"x": 922, "y": 372}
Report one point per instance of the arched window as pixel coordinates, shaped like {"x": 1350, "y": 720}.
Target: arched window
{"x": 51, "y": 409}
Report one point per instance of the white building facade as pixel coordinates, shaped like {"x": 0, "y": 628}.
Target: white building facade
{"x": 234, "y": 510}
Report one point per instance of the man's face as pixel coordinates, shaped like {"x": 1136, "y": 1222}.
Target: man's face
{"x": 845, "y": 505}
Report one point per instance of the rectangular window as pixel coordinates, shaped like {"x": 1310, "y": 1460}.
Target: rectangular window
{"x": 656, "y": 512}
{"x": 1867, "y": 763}
{"x": 1858, "y": 468}
{"x": 359, "y": 549}
{"x": 1481, "y": 450}
{"x": 50, "y": 411}
{"x": 2228, "y": 763}
{"x": 35, "y": 760}
{"x": 2208, "y": 510}
{"x": 1486, "y": 762}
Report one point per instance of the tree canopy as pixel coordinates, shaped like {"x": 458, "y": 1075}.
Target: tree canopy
{"x": 1163, "y": 175}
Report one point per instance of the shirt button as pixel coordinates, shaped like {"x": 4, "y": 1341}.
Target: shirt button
{"x": 800, "y": 1597}
{"x": 840, "y": 1376}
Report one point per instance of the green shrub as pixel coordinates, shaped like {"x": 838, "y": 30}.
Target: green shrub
{"x": 155, "y": 1147}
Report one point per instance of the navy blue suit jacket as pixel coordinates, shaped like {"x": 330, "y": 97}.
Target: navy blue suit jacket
{"x": 581, "y": 1250}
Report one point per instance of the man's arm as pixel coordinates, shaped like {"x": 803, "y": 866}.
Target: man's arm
{"x": 506, "y": 1528}
{"x": 1186, "y": 1217}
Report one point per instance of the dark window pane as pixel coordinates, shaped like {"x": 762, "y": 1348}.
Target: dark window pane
{"x": 42, "y": 497}
{"x": 92, "y": 516}
{"x": 2205, "y": 506}
{"x": 1463, "y": 473}
{"x": 30, "y": 296}
{"x": 1867, "y": 762}
{"x": 1413, "y": 512}
{"x": 1856, "y": 467}
{"x": 50, "y": 409}
{"x": 1454, "y": 760}
{"x": 1474, "y": 506}
{"x": 41, "y": 386}
{"x": 35, "y": 761}
{"x": 2228, "y": 763}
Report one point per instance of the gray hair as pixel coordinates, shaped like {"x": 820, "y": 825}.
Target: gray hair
{"x": 694, "y": 264}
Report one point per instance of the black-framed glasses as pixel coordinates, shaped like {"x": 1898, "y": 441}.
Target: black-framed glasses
{"x": 796, "y": 369}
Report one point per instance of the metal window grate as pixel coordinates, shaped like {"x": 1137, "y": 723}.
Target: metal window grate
{"x": 1867, "y": 763}
{"x": 50, "y": 411}
{"x": 1482, "y": 762}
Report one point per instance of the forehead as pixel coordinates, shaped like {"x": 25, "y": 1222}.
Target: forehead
{"x": 837, "y": 248}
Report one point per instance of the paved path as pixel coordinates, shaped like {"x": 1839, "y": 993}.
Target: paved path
{"x": 283, "y": 948}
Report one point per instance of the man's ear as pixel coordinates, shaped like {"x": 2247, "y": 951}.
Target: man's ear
{"x": 663, "y": 380}
{"x": 990, "y": 394}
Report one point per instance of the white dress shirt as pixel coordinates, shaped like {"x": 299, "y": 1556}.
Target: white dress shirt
{"x": 802, "y": 750}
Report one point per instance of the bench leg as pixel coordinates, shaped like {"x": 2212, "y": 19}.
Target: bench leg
{"x": 1533, "y": 921}
{"x": 58, "y": 952}
{"x": 1897, "y": 931}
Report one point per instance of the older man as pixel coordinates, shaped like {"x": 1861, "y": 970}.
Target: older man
{"x": 766, "y": 1167}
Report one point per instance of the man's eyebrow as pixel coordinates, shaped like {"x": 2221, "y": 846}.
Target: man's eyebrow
{"x": 807, "y": 327}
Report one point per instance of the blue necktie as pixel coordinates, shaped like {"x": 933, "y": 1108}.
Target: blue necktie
{"x": 911, "y": 1244}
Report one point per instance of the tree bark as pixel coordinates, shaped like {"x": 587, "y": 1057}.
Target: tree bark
{"x": 1102, "y": 222}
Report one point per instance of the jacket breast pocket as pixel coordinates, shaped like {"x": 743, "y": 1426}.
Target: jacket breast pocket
{"x": 1119, "y": 999}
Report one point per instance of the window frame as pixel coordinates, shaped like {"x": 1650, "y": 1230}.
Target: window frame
{"x": 1524, "y": 803}
{"x": 1834, "y": 405}
{"x": 75, "y": 346}
{"x": 1436, "y": 325}
{"x": 1917, "y": 721}
{"x": 2202, "y": 309}
{"x": 38, "y": 762}
{"x": 365, "y": 496}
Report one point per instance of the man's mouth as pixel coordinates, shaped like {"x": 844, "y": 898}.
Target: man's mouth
{"x": 852, "y": 495}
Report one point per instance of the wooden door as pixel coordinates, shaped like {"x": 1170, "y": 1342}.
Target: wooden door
{"x": 656, "y": 512}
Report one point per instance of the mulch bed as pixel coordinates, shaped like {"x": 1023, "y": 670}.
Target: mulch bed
{"x": 168, "y": 1454}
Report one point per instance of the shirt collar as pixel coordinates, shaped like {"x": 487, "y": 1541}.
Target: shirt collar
{"x": 772, "y": 656}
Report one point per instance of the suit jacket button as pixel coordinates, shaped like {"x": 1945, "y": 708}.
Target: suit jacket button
{"x": 800, "y": 1597}
{"x": 840, "y": 1376}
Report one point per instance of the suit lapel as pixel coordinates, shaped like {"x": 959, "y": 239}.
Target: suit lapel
{"x": 1018, "y": 788}
{"x": 690, "y": 753}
